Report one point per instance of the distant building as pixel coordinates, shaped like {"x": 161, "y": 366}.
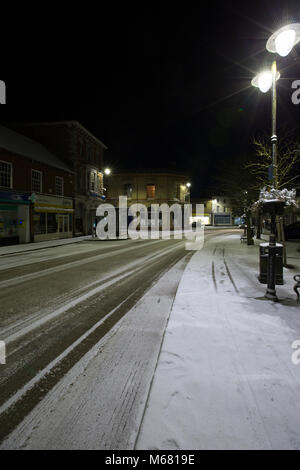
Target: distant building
{"x": 148, "y": 187}
{"x": 216, "y": 211}
{"x": 83, "y": 152}
{"x": 36, "y": 191}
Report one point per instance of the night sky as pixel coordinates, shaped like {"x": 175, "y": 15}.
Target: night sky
{"x": 162, "y": 87}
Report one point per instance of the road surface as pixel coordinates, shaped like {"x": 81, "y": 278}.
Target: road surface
{"x": 90, "y": 304}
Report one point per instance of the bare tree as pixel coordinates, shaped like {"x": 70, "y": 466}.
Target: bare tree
{"x": 284, "y": 176}
{"x": 237, "y": 184}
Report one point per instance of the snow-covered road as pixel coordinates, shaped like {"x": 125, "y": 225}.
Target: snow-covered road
{"x": 83, "y": 335}
{"x": 57, "y": 303}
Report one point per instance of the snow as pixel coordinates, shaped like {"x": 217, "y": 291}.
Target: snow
{"x": 21, "y": 145}
{"x": 100, "y": 402}
{"x": 33, "y": 321}
{"x": 221, "y": 377}
{"x": 22, "y": 248}
{"x": 277, "y": 195}
{"x": 225, "y": 379}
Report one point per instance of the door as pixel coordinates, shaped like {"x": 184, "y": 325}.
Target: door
{"x": 63, "y": 224}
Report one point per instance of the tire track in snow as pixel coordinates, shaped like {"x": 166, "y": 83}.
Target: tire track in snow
{"x": 73, "y": 264}
{"x": 37, "y": 321}
{"x": 218, "y": 271}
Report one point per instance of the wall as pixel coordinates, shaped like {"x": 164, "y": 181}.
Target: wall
{"x": 22, "y": 167}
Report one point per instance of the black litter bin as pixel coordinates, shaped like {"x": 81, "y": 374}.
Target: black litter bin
{"x": 263, "y": 263}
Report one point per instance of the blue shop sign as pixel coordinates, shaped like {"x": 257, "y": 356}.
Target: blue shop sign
{"x": 19, "y": 198}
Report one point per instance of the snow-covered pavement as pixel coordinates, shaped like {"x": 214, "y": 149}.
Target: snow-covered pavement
{"x": 225, "y": 377}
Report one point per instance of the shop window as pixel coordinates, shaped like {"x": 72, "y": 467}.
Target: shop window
{"x": 5, "y": 174}
{"x": 36, "y": 181}
{"x": 59, "y": 185}
{"x": 52, "y": 222}
{"x": 70, "y": 223}
{"x": 150, "y": 191}
{"x": 66, "y": 223}
{"x": 39, "y": 223}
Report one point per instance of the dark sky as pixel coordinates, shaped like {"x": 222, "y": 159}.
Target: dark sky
{"x": 162, "y": 86}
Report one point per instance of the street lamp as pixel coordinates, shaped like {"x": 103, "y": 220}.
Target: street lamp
{"x": 284, "y": 39}
{"x": 107, "y": 171}
{"x": 281, "y": 42}
{"x": 188, "y": 185}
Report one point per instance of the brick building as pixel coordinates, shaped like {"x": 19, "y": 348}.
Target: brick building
{"x": 83, "y": 153}
{"x": 148, "y": 187}
{"x": 36, "y": 191}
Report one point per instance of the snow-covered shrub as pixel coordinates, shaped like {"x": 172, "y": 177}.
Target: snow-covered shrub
{"x": 288, "y": 196}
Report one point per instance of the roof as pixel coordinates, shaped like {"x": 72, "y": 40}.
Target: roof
{"x": 21, "y": 145}
{"x": 62, "y": 123}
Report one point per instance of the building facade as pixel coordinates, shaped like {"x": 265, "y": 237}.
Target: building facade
{"x": 83, "y": 153}
{"x": 36, "y": 192}
{"x": 148, "y": 188}
{"x": 216, "y": 211}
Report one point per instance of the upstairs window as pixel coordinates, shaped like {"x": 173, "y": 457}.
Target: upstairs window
{"x": 150, "y": 191}
{"x": 93, "y": 181}
{"x": 5, "y": 174}
{"x": 128, "y": 190}
{"x": 36, "y": 181}
{"x": 59, "y": 185}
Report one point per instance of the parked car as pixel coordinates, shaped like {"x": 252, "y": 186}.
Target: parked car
{"x": 292, "y": 231}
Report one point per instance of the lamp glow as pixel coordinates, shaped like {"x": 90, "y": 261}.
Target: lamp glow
{"x": 285, "y": 41}
{"x": 107, "y": 171}
{"x": 188, "y": 185}
{"x": 264, "y": 81}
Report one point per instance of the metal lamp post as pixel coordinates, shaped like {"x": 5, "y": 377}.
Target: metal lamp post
{"x": 265, "y": 81}
{"x": 281, "y": 42}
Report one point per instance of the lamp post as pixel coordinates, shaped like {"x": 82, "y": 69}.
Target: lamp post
{"x": 281, "y": 42}
{"x": 265, "y": 81}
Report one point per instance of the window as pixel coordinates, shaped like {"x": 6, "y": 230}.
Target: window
{"x": 39, "y": 223}
{"x": 128, "y": 190}
{"x": 150, "y": 191}
{"x": 52, "y": 225}
{"x": 93, "y": 181}
{"x": 36, "y": 181}
{"x": 59, "y": 185}
{"x": 6, "y": 174}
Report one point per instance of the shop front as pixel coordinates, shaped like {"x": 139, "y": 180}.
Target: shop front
{"x": 52, "y": 218}
{"x": 14, "y": 218}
